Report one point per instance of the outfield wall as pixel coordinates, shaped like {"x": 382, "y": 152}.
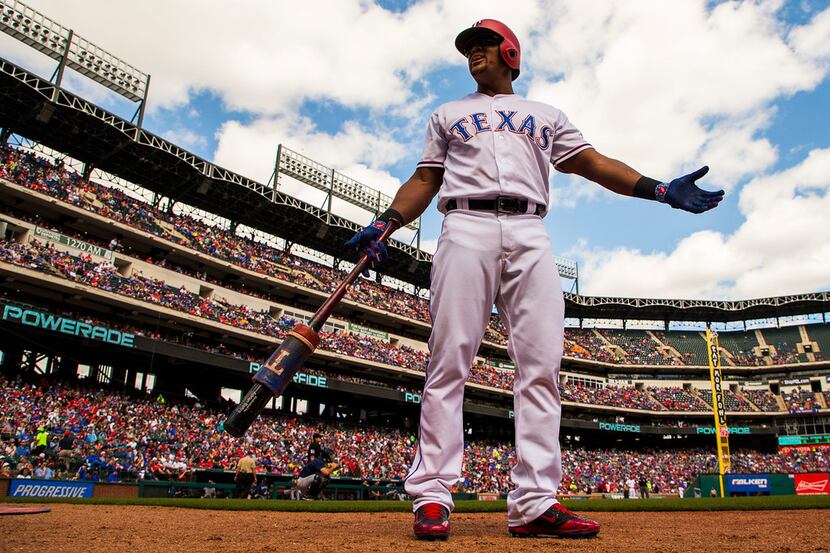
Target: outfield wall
{"x": 761, "y": 484}
{"x": 734, "y": 485}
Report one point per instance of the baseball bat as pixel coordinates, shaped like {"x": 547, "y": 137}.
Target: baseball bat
{"x": 296, "y": 347}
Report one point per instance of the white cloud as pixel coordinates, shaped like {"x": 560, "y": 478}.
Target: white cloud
{"x": 269, "y": 57}
{"x": 782, "y": 247}
{"x": 251, "y": 148}
{"x": 735, "y": 150}
{"x": 569, "y": 190}
{"x": 185, "y": 138}
{"x": 669, "y": 86}
{"x": 810, "y": 41}
{"x": 361, "y": 154}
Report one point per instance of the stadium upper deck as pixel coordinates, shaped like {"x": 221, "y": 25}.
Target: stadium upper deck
{"x": 180, "y": 242}
{"x": 161, "y": 282}
{"x": 37, "y": 109}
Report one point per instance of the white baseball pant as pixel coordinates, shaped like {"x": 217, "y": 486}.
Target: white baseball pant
{"x": 485, "y": 258}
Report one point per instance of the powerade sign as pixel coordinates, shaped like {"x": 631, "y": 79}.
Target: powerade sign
{"x": 748, "y": 483}
{"x": 311, "y": 380}
{"x": 729, "y": 430}
{"x": 614, "y": 427}
{"x": 46, "y": 488}
{"x": 47, "y": 321}
{"x": 299, "y": 378}
{"x": 409, "y": 397}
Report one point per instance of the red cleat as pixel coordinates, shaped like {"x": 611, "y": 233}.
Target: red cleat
{"x": 432, "y": 522}
{"x": 557, "y": 522}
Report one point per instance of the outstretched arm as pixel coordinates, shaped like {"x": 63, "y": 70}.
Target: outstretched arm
{"x": 680, "y": 193}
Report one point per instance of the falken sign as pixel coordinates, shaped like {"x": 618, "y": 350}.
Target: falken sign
{"x": 748, "y": 483}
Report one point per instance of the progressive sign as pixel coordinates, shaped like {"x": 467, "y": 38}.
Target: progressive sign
{"x": 21, "y": 487}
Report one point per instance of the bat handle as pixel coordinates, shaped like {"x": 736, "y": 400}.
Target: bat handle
{"x": 247, "y": 411}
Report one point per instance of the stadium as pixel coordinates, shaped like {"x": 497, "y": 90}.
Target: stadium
{"x": 142, "y": 286}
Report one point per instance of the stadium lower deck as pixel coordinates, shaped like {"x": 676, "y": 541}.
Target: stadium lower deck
{"x": 121, "y": 316}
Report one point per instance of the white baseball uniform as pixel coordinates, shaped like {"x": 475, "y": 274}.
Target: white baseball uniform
{"x": 494, "y": 146}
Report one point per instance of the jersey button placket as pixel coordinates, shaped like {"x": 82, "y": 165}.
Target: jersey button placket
{"x": 499, "y": 146}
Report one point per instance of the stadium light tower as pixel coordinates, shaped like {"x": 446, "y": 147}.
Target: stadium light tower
{"x": 337, "y": 185}
{"x": 71, "y": 50}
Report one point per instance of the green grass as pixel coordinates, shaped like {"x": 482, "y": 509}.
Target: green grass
{"x": 619, "y": 505}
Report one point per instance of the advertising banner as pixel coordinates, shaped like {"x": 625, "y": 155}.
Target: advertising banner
{"x": 371, "y": 332}
{"x": 47, "y": 321}
{"x": 812, "y": 484}
{"x": 812, "y": 439}
{"x": 500, "y": 364}
{"x": 73, "y": 243}
{"x": 49, "y": 488}
{"x": 751, "y": 483}
{"x": 788, "y": 449}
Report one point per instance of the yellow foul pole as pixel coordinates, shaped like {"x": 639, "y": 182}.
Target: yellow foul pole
{"x": 718, "y": 406}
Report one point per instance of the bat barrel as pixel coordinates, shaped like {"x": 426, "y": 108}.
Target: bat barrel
{"x": 241, "y": 419}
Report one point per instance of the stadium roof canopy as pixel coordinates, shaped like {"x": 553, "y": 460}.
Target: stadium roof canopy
{"x": 32, "y": 107}
{"x": 598, "y": 307}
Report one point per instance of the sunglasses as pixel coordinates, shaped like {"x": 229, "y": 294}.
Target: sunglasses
{"x": 483, "y": 40}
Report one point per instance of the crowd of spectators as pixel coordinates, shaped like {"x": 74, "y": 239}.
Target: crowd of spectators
{"x": 677, "y": 399}
{"x": 799, "y": 400}
{"x": 762, "y": 399}
{"x": 54, "y": 430}
{"x": 83, "y": 269}
{"x": 52, "y": 178}
{"x": 787, "y": 357}
{"x": 42, "y": 257}
{"x": 733, "y": 402}
{"x": 640, "y": 348}
{"x": 615, "y": 396}
{"x": 481, "y": 373}
{"x": 488, "y": 375}
{"x": 585, "y": 344}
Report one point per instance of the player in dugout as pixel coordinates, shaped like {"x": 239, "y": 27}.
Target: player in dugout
{"x": 487, "y": 157}
{"x": 316, "y": 474}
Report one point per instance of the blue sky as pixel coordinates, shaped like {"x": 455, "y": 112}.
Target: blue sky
{"x": 663, "y": 86}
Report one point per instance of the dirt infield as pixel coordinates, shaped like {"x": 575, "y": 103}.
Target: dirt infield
{"x": 119, "y": 528}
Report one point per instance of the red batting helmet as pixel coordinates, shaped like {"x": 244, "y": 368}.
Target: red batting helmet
{"x": 510, "y": 50}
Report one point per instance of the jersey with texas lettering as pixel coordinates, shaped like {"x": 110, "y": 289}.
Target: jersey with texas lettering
{"x": 499, "y": 145}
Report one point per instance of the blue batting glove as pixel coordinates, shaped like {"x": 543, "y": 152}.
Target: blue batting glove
{"x": 683, "y": 193}
{"x": 366, "y": 241}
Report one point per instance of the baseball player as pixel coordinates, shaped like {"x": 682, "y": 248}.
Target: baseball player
{"x": 487, "y": 156}
{"x": 316, "y": 474}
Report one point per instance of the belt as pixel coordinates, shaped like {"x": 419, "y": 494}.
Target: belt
{"x": 500, "y": 204}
